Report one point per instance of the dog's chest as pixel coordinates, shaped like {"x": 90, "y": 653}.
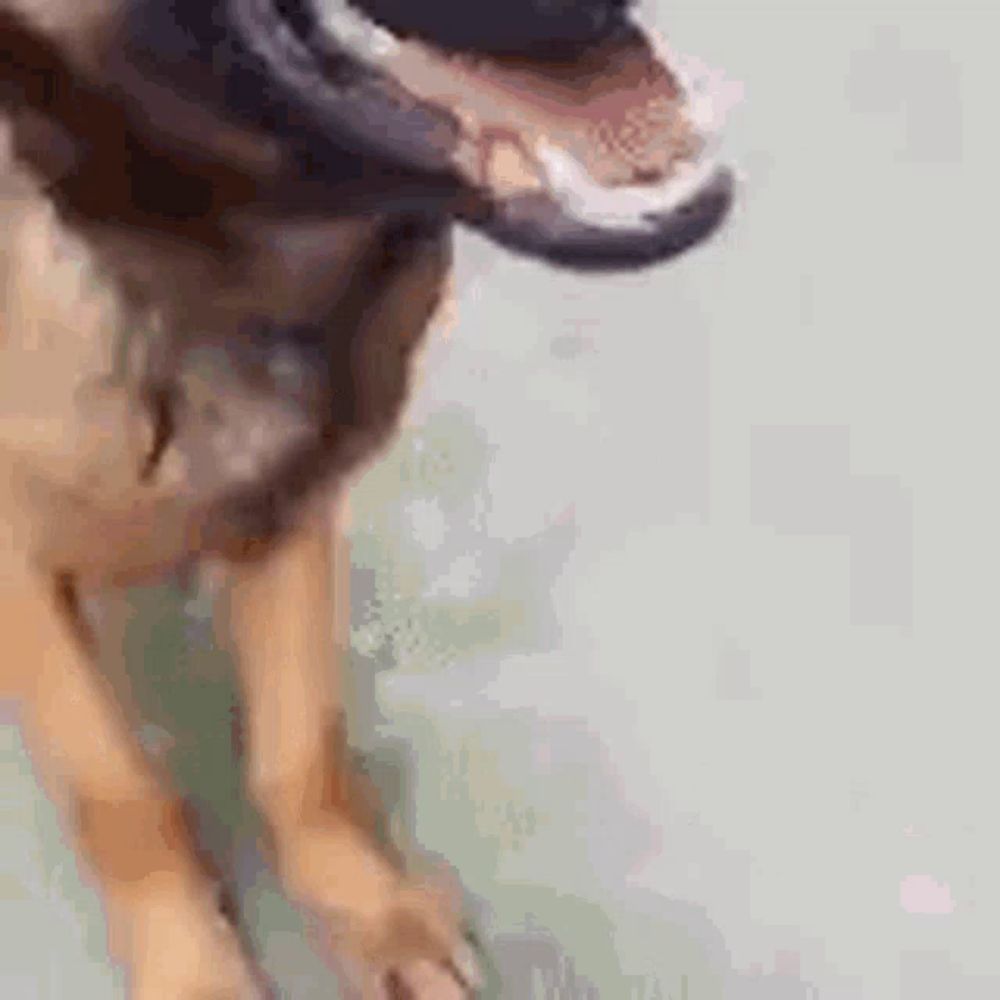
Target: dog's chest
{"x": 119, "y": 440}
{"x": 238, "y": 407}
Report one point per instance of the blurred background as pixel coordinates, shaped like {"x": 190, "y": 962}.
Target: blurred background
{"x": 674, "y": 609}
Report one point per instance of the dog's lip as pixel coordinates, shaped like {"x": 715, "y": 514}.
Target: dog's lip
{"x": 541, "y": 227}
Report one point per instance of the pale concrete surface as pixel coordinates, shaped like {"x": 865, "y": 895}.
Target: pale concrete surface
{"x": 681, "y": 587}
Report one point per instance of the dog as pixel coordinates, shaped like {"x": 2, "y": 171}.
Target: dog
{"x": 226, "y": 226}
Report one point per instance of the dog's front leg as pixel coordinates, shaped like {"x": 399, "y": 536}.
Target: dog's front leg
{"x": 164, "y": 921}
{"x": 403, "y": 938}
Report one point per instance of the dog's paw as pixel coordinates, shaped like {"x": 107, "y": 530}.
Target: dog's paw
{"x": 411, "y": 948}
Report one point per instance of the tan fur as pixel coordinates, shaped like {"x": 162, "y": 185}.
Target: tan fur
{"x": 74, "y": 435}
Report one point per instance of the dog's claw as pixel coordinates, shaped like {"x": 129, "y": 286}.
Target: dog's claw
{"x": 457, "y": 977}
{"x": 426, "y": 980}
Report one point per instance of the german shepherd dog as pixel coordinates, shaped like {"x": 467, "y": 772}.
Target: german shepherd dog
{"x": 224, "y": 228}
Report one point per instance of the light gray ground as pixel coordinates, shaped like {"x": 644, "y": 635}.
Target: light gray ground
{"x": 686, "y": 601}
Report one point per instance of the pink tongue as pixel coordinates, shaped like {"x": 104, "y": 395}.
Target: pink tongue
{"x": 617, "y": 111}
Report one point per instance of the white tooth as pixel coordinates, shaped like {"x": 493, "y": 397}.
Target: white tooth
{"x": 711, "y": 96}
{"x": 619, "y": 207}
{"x": 700, "y": 110}
{"x": 709, "y": 146}
{"x": 359, "y": 35}
{"x": 383, "y": 42}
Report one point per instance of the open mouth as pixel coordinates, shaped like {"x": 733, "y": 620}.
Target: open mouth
{"x": 563, "y": 126}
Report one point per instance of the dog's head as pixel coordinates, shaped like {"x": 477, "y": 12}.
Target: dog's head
{"x": 557, "y": 127}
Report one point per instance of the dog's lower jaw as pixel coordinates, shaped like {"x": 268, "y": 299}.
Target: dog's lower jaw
{"x": 595, "y": 160}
